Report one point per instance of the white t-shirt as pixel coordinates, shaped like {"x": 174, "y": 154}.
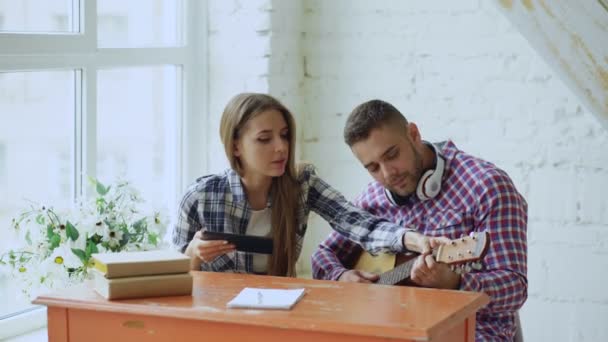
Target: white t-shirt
{"x": 259, "y": 225}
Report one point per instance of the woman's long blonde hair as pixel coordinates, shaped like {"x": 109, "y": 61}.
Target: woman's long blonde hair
{"x": 285, "y": 190}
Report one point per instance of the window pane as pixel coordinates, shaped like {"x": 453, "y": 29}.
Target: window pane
{"x": 136, "y": 124}
{"x": 36, "y": 158}
{"x": 137, "y": 23}
{"x": 36, "y": 16}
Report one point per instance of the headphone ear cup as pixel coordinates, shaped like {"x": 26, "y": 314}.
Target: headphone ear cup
{"x": 421, "y": 189}
{"x": 433, "y": 185}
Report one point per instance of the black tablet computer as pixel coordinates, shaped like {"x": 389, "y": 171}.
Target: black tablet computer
{"x": 243, "y": 243}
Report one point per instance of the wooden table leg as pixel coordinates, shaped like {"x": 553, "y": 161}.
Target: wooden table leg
{"x": 57, "y": 324}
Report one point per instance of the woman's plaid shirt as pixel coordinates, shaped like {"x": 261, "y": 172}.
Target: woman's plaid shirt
{"x": 218, "y": 203}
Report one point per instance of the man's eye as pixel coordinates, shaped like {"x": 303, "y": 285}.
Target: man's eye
{"x": 393, "y": 155}
{"x": 372, "y": 169}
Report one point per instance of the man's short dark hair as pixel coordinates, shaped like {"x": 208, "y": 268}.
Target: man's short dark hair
{"x": 368, "y": 116}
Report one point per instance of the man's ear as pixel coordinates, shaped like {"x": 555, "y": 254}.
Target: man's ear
{"x": 413, "y": 133}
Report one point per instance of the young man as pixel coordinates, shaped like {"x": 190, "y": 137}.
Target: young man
{"x": 437, "y": 190}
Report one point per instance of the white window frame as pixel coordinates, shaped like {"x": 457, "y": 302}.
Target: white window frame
{"x": 78, "y": 51}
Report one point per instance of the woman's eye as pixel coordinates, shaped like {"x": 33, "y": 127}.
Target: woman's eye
{"x": 264, "y": 140}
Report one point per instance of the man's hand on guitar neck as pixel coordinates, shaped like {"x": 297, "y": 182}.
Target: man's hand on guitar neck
{"x": 416, "y": 242}
{"x": 357, "y": 276}
{"x": 426, "y": 272}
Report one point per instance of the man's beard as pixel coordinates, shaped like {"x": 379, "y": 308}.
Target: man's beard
{"x": 413, "y": 177}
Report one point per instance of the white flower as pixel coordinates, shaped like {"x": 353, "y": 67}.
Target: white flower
{"x": 62, "y": 256}
{"x": 87, "y": 220}
{"x": 99, "y": 226}
{"x": 113, "y": 237}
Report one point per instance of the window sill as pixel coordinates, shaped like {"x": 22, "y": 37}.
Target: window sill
{"x": 26, "y": 322}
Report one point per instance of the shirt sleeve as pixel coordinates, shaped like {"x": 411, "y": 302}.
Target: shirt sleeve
{"x": 333, "y": 257}
{"x": 502, "y": 212}
{"x": 187, "y": 222}
{"x": 373, "y": 233}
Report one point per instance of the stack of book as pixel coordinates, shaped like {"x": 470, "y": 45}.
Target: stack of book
{"x": 142, "y": 274}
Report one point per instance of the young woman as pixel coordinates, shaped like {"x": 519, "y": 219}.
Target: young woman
{"x": 264, "y": 193}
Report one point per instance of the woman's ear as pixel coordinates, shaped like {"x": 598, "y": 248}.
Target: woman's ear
{"x": 235, "y": 149}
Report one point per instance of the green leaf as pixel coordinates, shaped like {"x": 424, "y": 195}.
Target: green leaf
{"x": 92, "y": 180}
{"x": 28, "y": 238}
{"x": 71, "y": 231}
{"x": 100, "y": 202}
{"x": 101, "y": 189}
{"x": 55, "y": 241}
{"x": 23, "y": 259}
{"x": 153, "y": 238}
{"x": 141, "y": 223}
{"x": 91, "y": 248}
{"x": 125, "y": 238}
{"x": 49, "y": 232}
{"x": 82, "y": 255}
{"x": 40, "y": 219}
{"x": 96, "y": 238}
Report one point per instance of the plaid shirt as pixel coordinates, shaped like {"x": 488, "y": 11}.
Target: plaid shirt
{"x": 218, "y": 203}
{"x": 475, "y": 196}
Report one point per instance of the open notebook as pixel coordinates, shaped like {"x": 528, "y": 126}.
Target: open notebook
{"x": 254, "y": 298}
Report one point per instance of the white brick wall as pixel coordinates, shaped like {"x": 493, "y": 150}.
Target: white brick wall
{"x": 239, "y": 54}
{"x": 254, "y": 46}
{"x": 461, "y": 71}
{"x": 286, "y": 67}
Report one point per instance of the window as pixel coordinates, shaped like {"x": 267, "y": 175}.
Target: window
{"x": 3, "y": 168}
{"x": 95, "y": 88}
{"x": 36, "y": 16}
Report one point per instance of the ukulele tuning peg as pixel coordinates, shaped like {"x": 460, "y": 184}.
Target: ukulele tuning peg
{"x": 467, "y": 268}
{"x": 458, "y": 270}
{"x": 476, "y": 266}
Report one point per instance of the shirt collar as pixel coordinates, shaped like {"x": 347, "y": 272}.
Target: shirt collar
{"x": 448, "y": 150}
{"x": 237, "y": 189}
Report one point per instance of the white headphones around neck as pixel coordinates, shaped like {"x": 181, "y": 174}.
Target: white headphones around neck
{"x": 429, "y": 184}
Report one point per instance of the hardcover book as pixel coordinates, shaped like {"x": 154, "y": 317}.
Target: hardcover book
{"x": 143, "y": 286}
{"x": 131, "y": 264}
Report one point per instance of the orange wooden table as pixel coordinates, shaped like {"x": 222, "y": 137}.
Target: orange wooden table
{"x": 329, "y": 311}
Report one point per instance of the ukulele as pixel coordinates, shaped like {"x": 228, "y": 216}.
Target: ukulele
{"x": 462, "y": 254}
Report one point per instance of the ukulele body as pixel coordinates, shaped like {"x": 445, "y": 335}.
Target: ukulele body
{"x": 383, "y": 263}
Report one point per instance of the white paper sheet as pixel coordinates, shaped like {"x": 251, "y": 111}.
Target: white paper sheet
{"x": 255, "y": 298}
